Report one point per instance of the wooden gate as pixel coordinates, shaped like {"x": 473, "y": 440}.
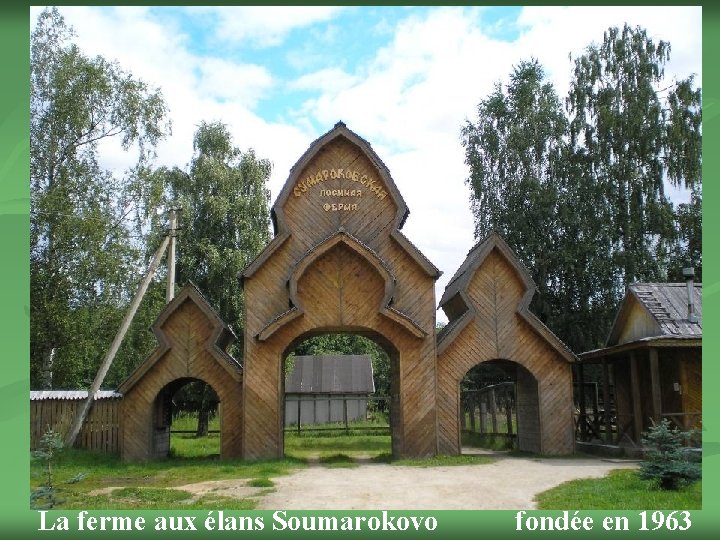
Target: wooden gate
{"x": 339, "y": 262}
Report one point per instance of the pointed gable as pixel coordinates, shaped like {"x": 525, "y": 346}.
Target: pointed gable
{"x": 188, "y": 319}
{"x": 461, "y": 308}
{"x": 339, "y": 183}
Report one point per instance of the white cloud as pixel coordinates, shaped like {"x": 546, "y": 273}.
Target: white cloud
{"x": 265, "y": 26}
{"x": 225, "y": 80}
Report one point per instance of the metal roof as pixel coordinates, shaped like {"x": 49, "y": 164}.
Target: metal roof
{"x": 338, "y": 374}
{"x": 668, "y": 304}
{"x": 39, "y": 395}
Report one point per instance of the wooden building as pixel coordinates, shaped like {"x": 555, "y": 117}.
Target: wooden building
{"x": 486, "y": 303}
{"x": 326, "y": 388}
{"x": 192, "y": 340}
{"x": 651, "y": 364}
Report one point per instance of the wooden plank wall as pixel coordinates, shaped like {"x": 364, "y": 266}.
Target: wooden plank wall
{"x": 498, "y": 332}
{"x": 99, "y": 433}
{"x": 188, "y": 331}
{"x": 341, "y": 290}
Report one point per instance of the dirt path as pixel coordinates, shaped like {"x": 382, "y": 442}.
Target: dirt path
{"x": 508, "y": 483}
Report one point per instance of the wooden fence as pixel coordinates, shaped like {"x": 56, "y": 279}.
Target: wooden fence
{"x": 99, "y": 433}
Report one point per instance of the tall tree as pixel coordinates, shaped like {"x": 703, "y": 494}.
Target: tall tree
{"x": 579, "y": 194}
{"x": 224, "y": 223}
{"x": 82, "y": 257}
{"x": 517, "y": 154}
{"x": 636, "y": 136}
{"x": 225, "y": 217}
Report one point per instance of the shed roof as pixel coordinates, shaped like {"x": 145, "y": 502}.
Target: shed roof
{"x": 40, "y": 395}
{"x": 336, "y": 374}
{"x": 667, "y": 304}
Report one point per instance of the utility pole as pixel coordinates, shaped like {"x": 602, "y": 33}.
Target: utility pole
{"x": 172, "y": 232}
{"x": 110, "y": 356}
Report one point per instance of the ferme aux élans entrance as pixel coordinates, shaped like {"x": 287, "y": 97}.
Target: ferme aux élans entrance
{"x": 339, "y": 263}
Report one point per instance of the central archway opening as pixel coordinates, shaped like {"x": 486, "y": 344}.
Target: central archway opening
{"x": 186, "y": 420}
{"x": 499, "y": 408}
{"x": 340, "y": 397}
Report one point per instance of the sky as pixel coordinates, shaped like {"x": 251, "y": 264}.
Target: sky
{"x": 406, "y": 79}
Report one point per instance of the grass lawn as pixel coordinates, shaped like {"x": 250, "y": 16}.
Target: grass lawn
{"x": 152, "y": 484}
{"x": 619, "y": 490}
{"x": 314, "y": 445}
{"x": 490, "y": 442}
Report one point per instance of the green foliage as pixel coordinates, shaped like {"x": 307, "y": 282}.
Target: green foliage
{"x": 83, "y": 256}
{"x": 225, "y": 217}
{"x": 619, "y": 490}
{"x": 634, "y": 138}
{"x": 666, "y": 460}
{"x": 578, "y": 192}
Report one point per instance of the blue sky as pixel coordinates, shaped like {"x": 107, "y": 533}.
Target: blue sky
{"x": 404, "y": 78}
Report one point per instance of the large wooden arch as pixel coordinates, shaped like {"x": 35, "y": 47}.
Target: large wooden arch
{"x": 339, "y": 262}
{"x": 486, "y": 303}
{"x": 192, "y": 340}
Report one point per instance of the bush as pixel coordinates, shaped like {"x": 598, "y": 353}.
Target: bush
{"x": 666, "y": 460}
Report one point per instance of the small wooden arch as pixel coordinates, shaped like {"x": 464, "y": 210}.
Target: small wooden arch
{"x": 487, "y": 302}
{"x": 368, "y": 255}
{"x": 192, "y": 343}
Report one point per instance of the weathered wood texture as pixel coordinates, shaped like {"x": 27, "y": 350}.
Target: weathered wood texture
{"x": 192, "y": 341}
{"x": 98, "y": 433}
{"x": 339, "y": 263}
{"x": 494, "y": 291}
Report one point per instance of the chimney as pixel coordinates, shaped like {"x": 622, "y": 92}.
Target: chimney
{"x": 689, "y": 274}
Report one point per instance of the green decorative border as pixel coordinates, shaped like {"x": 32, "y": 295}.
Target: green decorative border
{"x": 15, "y": 516}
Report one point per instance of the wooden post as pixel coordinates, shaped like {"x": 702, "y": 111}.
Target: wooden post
{"x": 172, "y": 231}
{"x": 483, "y": 416}
{"x": 345, "y": 416}
{"x": 471, "y": 411}
{"x": 493, "y": 411}
{"x": 508, "y": 417}
{"x": 637, "y": 409}
{"x": 581, "y": 402}
{"x": 299, "y": 411}
{"x": 655, "y": 384}
{"x": 606, "y": 401}
{"x": 110, "y": 356}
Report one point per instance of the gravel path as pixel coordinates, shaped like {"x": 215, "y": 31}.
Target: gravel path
{"x": 508, "y": 483}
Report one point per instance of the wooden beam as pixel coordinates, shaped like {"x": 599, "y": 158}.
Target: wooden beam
{"x": 115, "y": 345}
{"x": 606, "y": 401}
{"x": 655, "y": 384}
{"x": 172, "y": 232}
{"x": 637, "y": 408}
{"x": 581, "y": 402}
